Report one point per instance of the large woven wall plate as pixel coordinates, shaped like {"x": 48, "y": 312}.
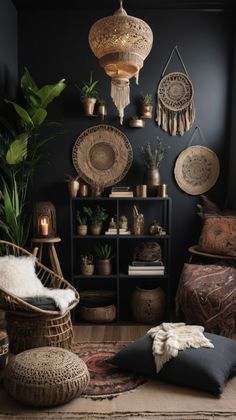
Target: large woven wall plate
{"x": 102, "y": 155}
{"x": 196, "y": 169}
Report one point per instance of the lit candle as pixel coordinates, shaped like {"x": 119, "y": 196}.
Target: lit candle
{"x": 43, "y": 227}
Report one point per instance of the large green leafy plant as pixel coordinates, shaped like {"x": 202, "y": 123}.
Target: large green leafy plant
{"x": 20, "y": 150}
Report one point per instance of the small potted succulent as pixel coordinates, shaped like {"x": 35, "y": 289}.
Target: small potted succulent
{"x": 136, "y": 122}
{"x": 146, "y": 105}
{"x": 152, "y": 158}
{"x": 89, "y": 95}
{"x": 87, "y": 265}
{"x": 103, "y": 259}
{"x": 82, "y": 224}
{"x": 96, "y": 216}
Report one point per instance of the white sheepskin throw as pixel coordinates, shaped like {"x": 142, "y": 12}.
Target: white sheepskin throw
{"x": 17, "y": 276}
{"x": 169, "y": 338}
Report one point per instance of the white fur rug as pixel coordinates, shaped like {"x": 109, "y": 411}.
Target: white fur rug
{"x": 17, "y": 276}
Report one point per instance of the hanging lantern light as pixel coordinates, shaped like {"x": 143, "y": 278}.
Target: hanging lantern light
{"x": 121, "y": 43}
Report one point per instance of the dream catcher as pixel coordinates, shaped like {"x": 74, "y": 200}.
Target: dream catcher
{"x": 175, "y": 107}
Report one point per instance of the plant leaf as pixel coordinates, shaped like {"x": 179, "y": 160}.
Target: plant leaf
{"x": 23, "y": 114}
{"x": 27, "y": 81}
{"x": 39, "y": 116}
{"x": 18, "y": 150}
{"x": 48, "y": 92}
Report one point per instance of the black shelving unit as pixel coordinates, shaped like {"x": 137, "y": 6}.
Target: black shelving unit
{"x": 153, "y": 208}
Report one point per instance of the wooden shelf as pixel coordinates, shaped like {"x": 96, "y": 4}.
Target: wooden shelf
{"x": 123, "y": 283}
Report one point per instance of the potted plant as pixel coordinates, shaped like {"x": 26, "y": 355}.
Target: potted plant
{"x": 101, "y": 108}
{"x": 152, "y": 158}
{"x": 21, "y": 149}
{"x": 87, "y": 265}
{"x": 89, "y": 95}
{"x": 82, "y": 224}
{"x": 146, "y": 105}
{"x": 96, "y": 216}
{"x": 136, "y": 122}
{"x": 103, "y": 261}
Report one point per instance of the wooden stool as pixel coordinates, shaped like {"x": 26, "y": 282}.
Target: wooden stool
{"x": 38, "y": 248}
{"x": 194, "y": 251}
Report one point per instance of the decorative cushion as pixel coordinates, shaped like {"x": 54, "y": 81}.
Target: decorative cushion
{"x": 218, "y": 235}
{"x": 207, "y": 296}
{"x": 42, "y": 302}
{"x": 208, "y": 206}
{"x": 46, "y": 376}
{"x": 203, "y": 368}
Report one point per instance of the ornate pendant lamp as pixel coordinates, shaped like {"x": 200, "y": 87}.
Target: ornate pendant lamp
{"x": 121, "y": 43}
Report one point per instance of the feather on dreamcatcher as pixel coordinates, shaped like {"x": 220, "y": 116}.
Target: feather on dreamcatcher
{"x": 175, "y": 107}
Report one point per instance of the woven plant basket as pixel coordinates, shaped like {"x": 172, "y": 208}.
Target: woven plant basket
{"x": 98, "y": 314}
{"x": 28, "y": 332}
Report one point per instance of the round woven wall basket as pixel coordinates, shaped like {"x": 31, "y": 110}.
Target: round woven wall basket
{"x": 196, "y": 169}
{"x": 102, "y": 155}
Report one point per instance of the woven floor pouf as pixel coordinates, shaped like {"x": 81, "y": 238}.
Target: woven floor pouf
{"x": 46, "y": 376}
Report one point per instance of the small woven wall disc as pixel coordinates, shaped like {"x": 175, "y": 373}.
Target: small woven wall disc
{"x": 196, "y": 169}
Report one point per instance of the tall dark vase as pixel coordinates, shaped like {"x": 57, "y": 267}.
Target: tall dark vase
{"x": 152, "y": 180}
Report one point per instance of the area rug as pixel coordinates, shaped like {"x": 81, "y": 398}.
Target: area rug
{"x": 151, "y": 400}
{"x": 106, "y": 381}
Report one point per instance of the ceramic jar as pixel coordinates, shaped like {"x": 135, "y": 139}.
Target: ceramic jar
{"x": 148, "y": 305}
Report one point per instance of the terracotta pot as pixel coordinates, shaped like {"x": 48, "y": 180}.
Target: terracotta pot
{"x": 88, "y": 105}
{"x": 148, "y": 305}
{"x": 146, "y": 111}
{"x": 73, "y": 188}
{"x": 87, "y": 269}
{"x": 96, "y": 229}
{"x": 82, "y": 230}
{"x": 152, "y": 179}
{"x": 104, "y": 267}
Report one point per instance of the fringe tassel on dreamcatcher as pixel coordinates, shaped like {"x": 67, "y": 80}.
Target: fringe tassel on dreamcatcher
{"x": 120, "y": 94}
{"x": 175, "y": 122}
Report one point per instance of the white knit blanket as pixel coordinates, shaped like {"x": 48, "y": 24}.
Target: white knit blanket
{"x": 169, "y": 338}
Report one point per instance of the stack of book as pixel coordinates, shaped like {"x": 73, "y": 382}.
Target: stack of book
{"x": 146, "y": 268}
{"x": 114, "y": 231}
{"x": 121, "y": 192}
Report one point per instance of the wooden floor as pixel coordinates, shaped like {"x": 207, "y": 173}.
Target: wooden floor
{"x": 93, "y": 333}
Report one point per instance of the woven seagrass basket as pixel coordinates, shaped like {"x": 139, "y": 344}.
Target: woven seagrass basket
{"x": 98, "y": 314}
{"x": 29, "y": 332}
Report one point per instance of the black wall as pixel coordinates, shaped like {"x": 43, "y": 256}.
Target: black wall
{"x": 54, "y": 44}
{"x": 8, "y": 49}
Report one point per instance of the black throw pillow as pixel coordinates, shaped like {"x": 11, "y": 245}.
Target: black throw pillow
{"x": 42, "y": 302}
{"x": 203, "y": 368}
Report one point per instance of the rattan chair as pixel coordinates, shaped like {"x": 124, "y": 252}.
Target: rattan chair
{"x": 29, "y": 326}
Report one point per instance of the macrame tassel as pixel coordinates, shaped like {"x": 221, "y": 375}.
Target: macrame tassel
{"x": 120, "y": 95}
{"x": 137, "y": 77}
{"x": 192, "y": 112}
{"x": 181, "y": 129}
{"x": 158, "y": 117}
{"x": 164, "y": 121}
